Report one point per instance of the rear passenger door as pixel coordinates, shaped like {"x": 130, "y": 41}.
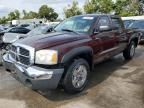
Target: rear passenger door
{"x": 120, "y": 33}
{"x": 107, "y": 37}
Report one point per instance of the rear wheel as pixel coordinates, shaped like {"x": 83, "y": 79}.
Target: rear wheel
{"x": 130, "y": 51}
{"x": 76, "y": 77}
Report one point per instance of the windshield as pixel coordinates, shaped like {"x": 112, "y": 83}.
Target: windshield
{"x": 137, "y": 24}
{"x": 78, "y": 24}
{"x": 39, "y": 30}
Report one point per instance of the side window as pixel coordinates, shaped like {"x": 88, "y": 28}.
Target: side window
{"x": 23, "y": 30}
{"x": 104, "y": 21}
{"x": 13, "y": 30}
{"x": 117, "y": 23}
{"x": 18, "y": 30}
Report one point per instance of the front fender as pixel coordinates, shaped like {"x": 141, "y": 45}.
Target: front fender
{"x": 75, "y": 52}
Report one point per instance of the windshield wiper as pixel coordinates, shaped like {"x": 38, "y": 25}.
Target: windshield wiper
{"x": 68, "y": 30}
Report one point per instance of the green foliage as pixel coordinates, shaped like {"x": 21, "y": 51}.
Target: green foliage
{"x": 17, "y": 14}
{"x": 14, "y": 15}
{"x": 48, "y": 13}
{"x": 98, "y": 6}
{"x": 127, "y": 8}
{"x": 44, "y": 12}
{"x": 29, "y": 15}
{"x": 3, "y": 20}
{"x": 72, "y": 10}
{"x": 119, "y": 7}
{"x": 11, "y": 16}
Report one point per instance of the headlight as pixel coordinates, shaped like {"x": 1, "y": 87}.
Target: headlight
{"x": 49, "y": 57}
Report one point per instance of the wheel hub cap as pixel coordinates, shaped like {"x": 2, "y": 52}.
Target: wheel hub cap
{"x": 79, "y": 76}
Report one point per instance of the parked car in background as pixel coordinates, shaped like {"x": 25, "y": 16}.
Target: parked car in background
{"x": 44, "y": 29}
{"x": 138, "y": 26}
{"x": 133, "y": 18}
{"x": 127, "y": 23}
{"x": 10, "y": 38}
{"x": 11, "y": 33}
{"x": 28, "y": 26}
{"x": 66, "y": 56}
{"x": 1, "y": 28}
{"x": 24, "y": 25}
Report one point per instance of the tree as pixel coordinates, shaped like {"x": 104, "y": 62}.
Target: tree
{"x": 24, "y": 13}
{"x": 17, "y": 14}
{"x": 119, "y": 7}
{"x": 48, "y": 13}
{"x": 126, "y": 8}
{"x": 14, "y": 15}
{"x": 98, "y": 6}
{"x": 3, "y": 20}
{"x": 11, "y": 16}
{"x": 72, "y": 10}
{"x": 30, "y": 15}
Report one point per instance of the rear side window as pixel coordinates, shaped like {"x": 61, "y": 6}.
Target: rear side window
{"x": 104, "y": 21}
{"x": 117, "y": 23}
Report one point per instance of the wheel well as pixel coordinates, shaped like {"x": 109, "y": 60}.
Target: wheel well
{"x": 87, "y": 56}
{"x": 136, "y": 41}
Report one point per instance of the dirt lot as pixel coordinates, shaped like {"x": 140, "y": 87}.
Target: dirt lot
{"x": 114, "y": 84}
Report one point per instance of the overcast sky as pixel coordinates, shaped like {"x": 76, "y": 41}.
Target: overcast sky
{"x": 33, "y": 5}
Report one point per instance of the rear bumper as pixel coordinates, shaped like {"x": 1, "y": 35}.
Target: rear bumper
{"x": 38, "y": 78}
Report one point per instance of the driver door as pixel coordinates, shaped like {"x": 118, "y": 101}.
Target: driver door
{"x": 107, "y": 37}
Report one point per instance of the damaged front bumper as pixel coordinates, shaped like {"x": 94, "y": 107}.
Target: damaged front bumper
{"x": 39, "y": 78}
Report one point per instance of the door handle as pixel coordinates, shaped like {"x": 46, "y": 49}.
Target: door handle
{"x": 97, "y": 38}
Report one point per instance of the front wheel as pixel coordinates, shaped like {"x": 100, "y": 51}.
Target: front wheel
{"x": 76, "y": 76}
{"x": 130, "y": 51}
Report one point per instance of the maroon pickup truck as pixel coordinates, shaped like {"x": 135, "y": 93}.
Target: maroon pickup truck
{"x": 66, "y": 56}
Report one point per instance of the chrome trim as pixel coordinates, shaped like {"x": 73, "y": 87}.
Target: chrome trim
{"x": 32, "y": 71}
{"x": 31, "y": 50}
{"x": 109, "y": 50}
{"x": 18, "y": 53}
{"x": 38, "y": 72}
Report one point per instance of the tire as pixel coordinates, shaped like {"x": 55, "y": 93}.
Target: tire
{"x": 71, "y": 83}
{"x": 130, "y": 51}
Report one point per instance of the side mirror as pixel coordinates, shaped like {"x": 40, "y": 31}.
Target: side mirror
{"x": 104, "y": 28}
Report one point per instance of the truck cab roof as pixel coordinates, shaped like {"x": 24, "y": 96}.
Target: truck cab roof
{"x": 98, "y": 15}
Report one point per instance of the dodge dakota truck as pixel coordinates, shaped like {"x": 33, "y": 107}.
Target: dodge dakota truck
{"x": 66, "y": 56}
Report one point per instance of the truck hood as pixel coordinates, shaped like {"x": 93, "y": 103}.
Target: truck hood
{"x": 49, "y": 40}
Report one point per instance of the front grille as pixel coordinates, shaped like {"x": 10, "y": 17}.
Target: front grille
{"x": 20, "y": 55}
{"x": 24, "y": 52}
{"x": 24, "y": 60}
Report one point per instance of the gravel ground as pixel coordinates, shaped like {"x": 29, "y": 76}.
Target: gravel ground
{"x": 114, "y": 84}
